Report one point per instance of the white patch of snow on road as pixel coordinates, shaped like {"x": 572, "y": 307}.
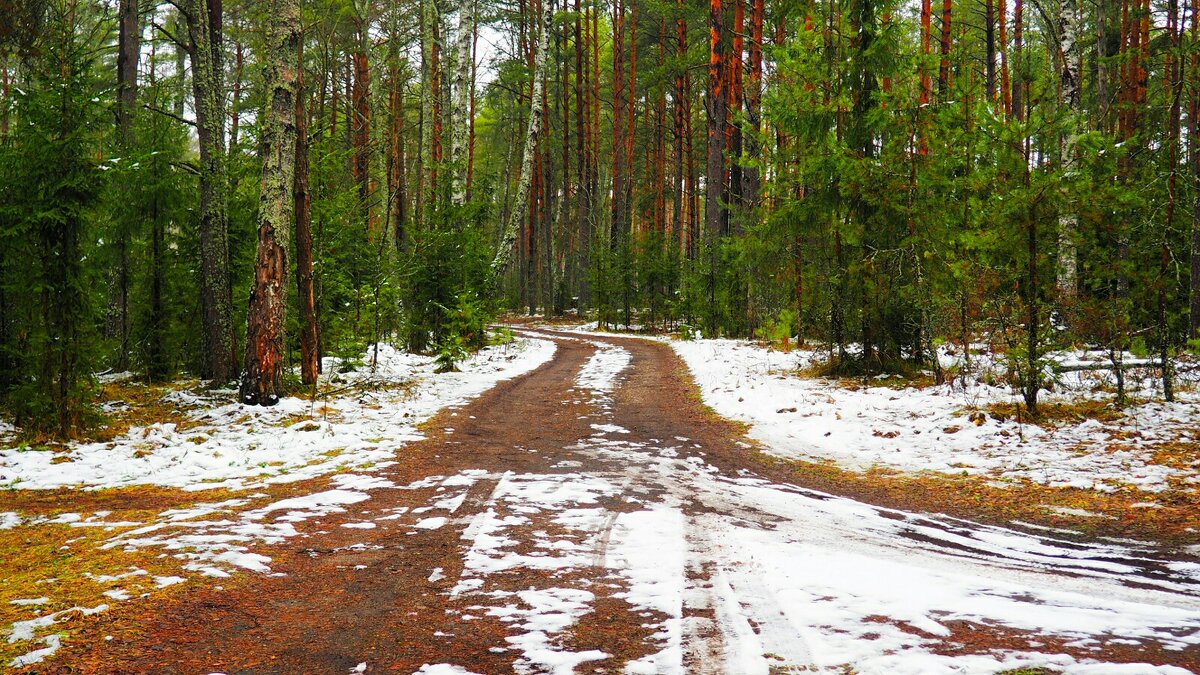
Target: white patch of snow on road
{"x": 542, "y": 614}
{"x": 601, "y": 370}
{"x": 442, "y": 669}
{"x": 647, "y": 548}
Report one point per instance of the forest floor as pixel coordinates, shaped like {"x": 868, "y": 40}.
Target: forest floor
{"x": 588, "y": 513}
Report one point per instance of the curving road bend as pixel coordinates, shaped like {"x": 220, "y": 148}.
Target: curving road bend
{"x": 592, "y": 516}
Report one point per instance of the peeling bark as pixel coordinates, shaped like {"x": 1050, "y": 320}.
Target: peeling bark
{"x": 262, "y": 382}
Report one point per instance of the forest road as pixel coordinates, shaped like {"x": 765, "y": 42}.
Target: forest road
{"x": 594, "y": 516}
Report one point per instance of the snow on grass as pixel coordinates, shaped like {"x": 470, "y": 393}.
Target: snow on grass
{"x": 23, "y": 631}
{"x": 235, "y": 446}
{"x": 913, "y": 429}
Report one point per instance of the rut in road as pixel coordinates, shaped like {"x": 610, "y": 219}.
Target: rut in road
{"x": 592, "y": 516}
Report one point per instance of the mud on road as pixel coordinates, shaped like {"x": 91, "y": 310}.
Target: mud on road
{"x": 594, "y": 515}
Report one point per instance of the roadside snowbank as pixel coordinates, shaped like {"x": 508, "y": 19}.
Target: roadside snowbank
{"x": 929, "y": 429}
{"x": 236, "y": 446}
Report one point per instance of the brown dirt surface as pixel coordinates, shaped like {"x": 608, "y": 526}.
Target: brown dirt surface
{"x": 392, "y": 596}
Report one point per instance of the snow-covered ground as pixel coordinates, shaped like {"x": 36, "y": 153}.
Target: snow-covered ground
{"x": 931, "y": 429}
{"x": 795, "y": 580}
{"x": 236, "y": 446}
{"x": 242, "y": 447}
{"x": 734, "y": 573}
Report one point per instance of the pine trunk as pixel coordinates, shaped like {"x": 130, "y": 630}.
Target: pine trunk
{"x": 716, "y": 101}
{"x": 302, "y": 197}
{"x": 752, "y": 174}
{"x": 944, "y": 68}
{"x": 262, "y": 382}
{"x": 1194, "y": 149}
{"x": 205, "y": 50}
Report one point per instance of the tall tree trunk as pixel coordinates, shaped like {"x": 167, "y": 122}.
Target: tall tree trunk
{"x": 944, "y": 69}
{"x": 630, "y": 109}
{"x": 302, "y": 198}
{"x": 1005, "y": 91}
{"x": 1018, "y": 80}
{"x": 460, "y": 124}
{"x": 1174, "y": 85}
{"x": 235, "y": 105}
{"x": 360, "y": 121}
{"x": 205, "y": 49}
{"x": 715, "y": 101}
{"x": 425, "y": 120}
{"x": 1194, "y": 149}
{"x": 926, "y": 39}
{"x": 262, "y": 381}
{"x": 582, "y": 142}
{"x": 1068, "y": 26}
{"x": 733, "y": 129}
{"x": 617, "y": 227}
{"x": 437, "y": 84}
{"x": 128, "y": 50}
{"x": 989, "y": 49}
{"x": 471, "y": 113}
{"x": 679, "y": 104}
{"x": 1102, "y": 56}
{"x": 505, "y": 251}
{"x": 396, "y": 204}
{"x": 129, "y": 42}
{"x": 751, "y": 174}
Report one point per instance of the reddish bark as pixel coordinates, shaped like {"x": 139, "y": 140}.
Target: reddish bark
{"x": 309, "y": 361}
{"x": 944, "y": 70}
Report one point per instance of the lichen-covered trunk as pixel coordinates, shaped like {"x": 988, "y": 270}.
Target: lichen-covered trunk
{"x": 504, "y": 253}
{"x": 262, "y": 382}
{"x": 205, "y": 51}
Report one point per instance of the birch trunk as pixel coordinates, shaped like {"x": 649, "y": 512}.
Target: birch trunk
{"x": 262, "y": 383}
{"x": 504, "y": 253}
{"x": 1068, "y": 23}
{"x": 461, "y": 110}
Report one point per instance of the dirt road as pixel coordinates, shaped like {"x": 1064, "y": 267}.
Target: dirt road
{"x": 594, "y": 516}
